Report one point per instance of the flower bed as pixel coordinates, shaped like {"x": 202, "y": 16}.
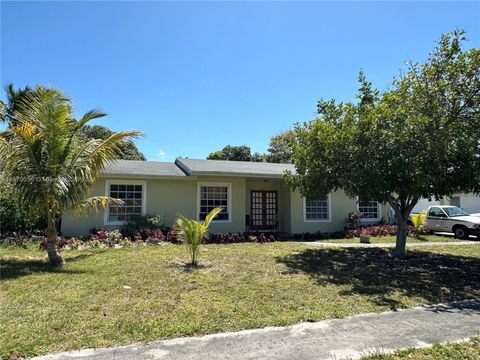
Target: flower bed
{"x": 232, "y": 238}
{"x": 103, "y": 238}
{"x": 376, "y": 230}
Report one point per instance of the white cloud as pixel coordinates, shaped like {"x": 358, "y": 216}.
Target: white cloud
{"x": 161, "y": 154}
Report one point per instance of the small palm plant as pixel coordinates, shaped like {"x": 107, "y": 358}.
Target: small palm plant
{"x": 43, "y": 156}
{"x": 418, "y": 221}
{"x": 192, "y": 232}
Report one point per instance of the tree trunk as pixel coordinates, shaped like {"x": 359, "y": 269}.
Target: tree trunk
{"x": 400, "y": 246}
{"x": 194, "y": 257}
{"x": 52, "y": 249}
{"x": 403, "y": 206}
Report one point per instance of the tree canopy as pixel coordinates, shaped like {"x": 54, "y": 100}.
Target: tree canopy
{"x": 279, "y": 151}
{"x": 419, "y": 139}
{"x": 127, "y": 149}
{"x": 280, "y": 147}
{"x": 235, "y": 153}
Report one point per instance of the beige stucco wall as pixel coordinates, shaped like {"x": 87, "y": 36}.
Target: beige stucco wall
{"x": 79, "y": 226}
{"x": 285, "y": 210}
{"x": 168, "y": 197}
{"x": 340, "y": 206}
{"x": 163, "y": 197}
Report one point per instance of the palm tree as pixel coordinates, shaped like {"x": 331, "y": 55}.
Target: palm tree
{"x": 418, "y": 221}
{"x": 8, "y": 108}
{"x": 45, "y": 160}
{"x": 192, "y": 232}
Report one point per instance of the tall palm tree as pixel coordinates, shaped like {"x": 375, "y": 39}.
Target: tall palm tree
{"x": 43, "y": 156}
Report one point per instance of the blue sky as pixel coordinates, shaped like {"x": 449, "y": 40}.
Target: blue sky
{"x": 196, "y": 76}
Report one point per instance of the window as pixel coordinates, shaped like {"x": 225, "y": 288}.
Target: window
{"x": 317, "y": 209}
{"x": 212, "y": 195}
{"x": 369, "y": 209}
{"x": 132, "y": 195}
{"x": 455, "y": 211}
{"x": 435, "y": 211}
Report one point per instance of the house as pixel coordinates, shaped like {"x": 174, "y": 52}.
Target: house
{"x": 253, "y": 195}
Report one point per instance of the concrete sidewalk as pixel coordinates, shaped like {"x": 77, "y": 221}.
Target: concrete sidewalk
{"x": 330, "y": 339}
{"x": 389, "y": 245}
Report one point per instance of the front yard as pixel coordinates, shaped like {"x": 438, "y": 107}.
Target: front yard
{"x": 103, "y": 297}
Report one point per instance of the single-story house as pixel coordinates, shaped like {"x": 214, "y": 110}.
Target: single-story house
{"x": 253, "y": 195}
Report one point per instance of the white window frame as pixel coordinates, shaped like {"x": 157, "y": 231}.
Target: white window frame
{"x": 379, "y": 212}
{"x": 229, "y": 199}
{"x": 124, "y": 182}
{"x": 329, "y": 219}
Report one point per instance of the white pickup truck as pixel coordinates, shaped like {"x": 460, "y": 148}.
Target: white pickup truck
{"x": 443, "y": 218}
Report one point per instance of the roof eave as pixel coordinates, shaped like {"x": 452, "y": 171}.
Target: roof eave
{"x": 232, "y": 174}
{"x": 142, "y": 176}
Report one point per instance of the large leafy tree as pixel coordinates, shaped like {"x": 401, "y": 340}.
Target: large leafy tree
{"x": 48, "y": 163}
{"x": 233, "y": 153}
{"x": 280, "y": 147}
{"x": 419, "y": 139}
{"x": 279, "y": 151}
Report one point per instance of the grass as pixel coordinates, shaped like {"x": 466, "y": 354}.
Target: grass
{"x": 85, "y": 304}
{"x": 391, "y": 239}
{"x": 468, "y": 350}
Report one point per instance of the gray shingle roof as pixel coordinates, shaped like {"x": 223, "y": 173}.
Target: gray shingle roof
{"x": 233, "y": 168}
{"x": 142, "y": 168}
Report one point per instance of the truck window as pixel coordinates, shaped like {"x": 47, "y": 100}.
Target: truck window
{"x": 435, "y": 211}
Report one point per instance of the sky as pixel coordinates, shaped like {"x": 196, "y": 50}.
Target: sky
{"x": 196, "y": 76}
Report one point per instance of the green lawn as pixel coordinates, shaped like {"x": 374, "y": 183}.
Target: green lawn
{"x": 469, "y": 350}
{"x": 391, "y": 239}
{"x": 85, "y": 304}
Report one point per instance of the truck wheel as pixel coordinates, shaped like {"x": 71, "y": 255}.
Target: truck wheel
{"x": 461, "y": 232}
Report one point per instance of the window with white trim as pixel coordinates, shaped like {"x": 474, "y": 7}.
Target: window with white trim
{"x": 132, "y": 196}
{"x": 369, "y": 209}
{"x": 212, "y": 196}
{"x": 317, "y": 209}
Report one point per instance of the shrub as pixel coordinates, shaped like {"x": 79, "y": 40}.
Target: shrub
{"x": 94, "y": 243}
{"x": 376, "y": 230}
{"x": 151, "y": 233}
{"x": 353, "y": 220}
{"x": 141, "y": 222}
{"x": 171, "y": 236}
{"x": 62, "y": 242}
{"x": 15, "y": 219}
{"x": 155, "y": 240}
{"x": 262, "y": 238}
{"x": 126, "y": 242}
{"x": 22, "y": 239}
{"x": 74, "y": 243}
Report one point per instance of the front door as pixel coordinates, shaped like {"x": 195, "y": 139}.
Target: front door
{"x": 263, "y": 210}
